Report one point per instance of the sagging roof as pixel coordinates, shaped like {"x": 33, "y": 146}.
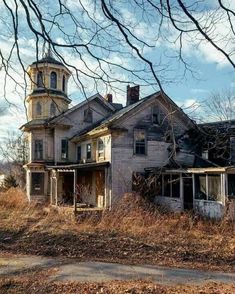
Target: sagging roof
{"x": 79, "y": 165}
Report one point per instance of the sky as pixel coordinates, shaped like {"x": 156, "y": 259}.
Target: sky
{"x": 209, "y": 71}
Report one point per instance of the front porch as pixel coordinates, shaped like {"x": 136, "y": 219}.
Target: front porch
{"x": 80, "y": 186}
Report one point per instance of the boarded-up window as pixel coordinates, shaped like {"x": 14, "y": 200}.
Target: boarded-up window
{"x": 64, "y": 148}
{"x": 37, "y": 183}
{"x": 140, "y": 142}
{"x": 38, "y": 149}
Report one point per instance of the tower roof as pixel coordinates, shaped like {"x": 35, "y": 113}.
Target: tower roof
{"x": 48, "y": 59}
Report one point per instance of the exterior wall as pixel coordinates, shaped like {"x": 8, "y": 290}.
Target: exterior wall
{"x": 48, "y": 144}
{"x": 172, "y": 204}
{"x": 210, "y": 209}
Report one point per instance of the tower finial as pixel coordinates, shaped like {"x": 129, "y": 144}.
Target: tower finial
{"x": 47, "y": 51}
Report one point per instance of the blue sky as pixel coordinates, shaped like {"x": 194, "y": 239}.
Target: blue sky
{"x": 212, "y": 71}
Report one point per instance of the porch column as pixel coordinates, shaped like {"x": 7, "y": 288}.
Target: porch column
{"x": 56, "y": 189}
{"x": 107, "y": 202}
{"x": 75, "y": 190}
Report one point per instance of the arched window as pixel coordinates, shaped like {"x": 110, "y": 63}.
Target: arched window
{"x": 53, "y": 108}
{"x": 53, "y": 80}
{"x": 40, "y": 79}
{"x": 88, "y": 117}
{"x": 38, "y": 108}
{"x": 63, "y": 84}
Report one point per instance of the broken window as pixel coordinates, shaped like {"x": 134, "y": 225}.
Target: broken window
{"x": 208, "y": 187}
{"x": 37, "y": 183}
{"x": 64, "y": 148}
{"x": 214, "y": 187}
{"x": 88, "y": 116}
{"x": 140, "y": 142}
{"x": 38, "y": 149}
{"x": 231, "y": 185}
{"x": 171, "y": 185}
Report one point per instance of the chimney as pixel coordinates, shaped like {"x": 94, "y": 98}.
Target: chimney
{"x": 109, "y": 98}
{"x": 132, "y": 95}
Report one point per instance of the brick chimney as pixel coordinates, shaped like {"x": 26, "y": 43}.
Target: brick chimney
{"x": 132, "y": 95}
{"x": 109, "y": 97}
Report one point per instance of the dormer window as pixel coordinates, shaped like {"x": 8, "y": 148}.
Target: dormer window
{"x": 88, "y": 115}
{"x": 40, "y": 79}
{"x": 38, "y": 108}
{"x": 63, "y": 84}
{"x": 53, "y": 109}
{"x": 53, "y": 81}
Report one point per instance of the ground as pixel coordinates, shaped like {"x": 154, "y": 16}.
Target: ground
{"x": 133, "y": 233}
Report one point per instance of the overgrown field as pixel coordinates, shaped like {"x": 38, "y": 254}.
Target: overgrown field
{"x": 133, "y": 232}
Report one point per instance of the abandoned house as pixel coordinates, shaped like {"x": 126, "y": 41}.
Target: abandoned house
{"x": 98, "y": 149}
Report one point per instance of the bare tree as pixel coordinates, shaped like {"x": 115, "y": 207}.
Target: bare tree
{"x": 111, "y": 40}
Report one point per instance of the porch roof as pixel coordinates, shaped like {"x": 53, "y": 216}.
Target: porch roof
{"x": 212, "y": 169}
{"x": 79, "y": 166}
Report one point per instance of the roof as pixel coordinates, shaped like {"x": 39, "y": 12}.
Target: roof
{"x": 48, "y": 59}
{"x": 79, "y": 165}
{"x": 122, "y": 112}
{"x": 34, "y": 123}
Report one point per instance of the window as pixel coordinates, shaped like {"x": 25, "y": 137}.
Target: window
{"x": 63, "y": 84}
{"x": 155, "y": 115}
{"x": 208, "y": 187}
{"x": 53, "y": 80}
{"x": 38, "y": 149}
{"x": 171, "y": 185}
{"x": 231, "y": 185}
{"x": 53, "y": 108}
{"x": 38, "y": 108}
{"x": 88, "y": 115}
{"x": 40, "y": 79}
{"x": 100, "y": 148}
{"x": 88, "y": 151}
{"x": 79, "y": 153}
{"x": 64, "y": 149}
{"x": 139, "y": 142}
{"x": 37, "y": 183}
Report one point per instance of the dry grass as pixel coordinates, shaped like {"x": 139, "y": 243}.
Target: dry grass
{"x": 133, "y": 232}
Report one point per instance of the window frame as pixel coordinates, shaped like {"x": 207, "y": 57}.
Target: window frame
{"x": 79, "y": 147}
{"x": 88, "y": 152}
{"x": 40, "y": 82}
{"x": 37, "y": 150}
{"x": 63, "y": 83}
{"x": 37, "y": 176}
{"x": 53, "y": 83}
{"x": 142, "y": 144}
{"x": 53, "y": 108}
{"x": 38, "y": 108}
{"x": 207, "y": 175}
{"x": 88, "y": 115}
{"x": 100, "y": 150}
{"x": 170, "y": 175}
{"x": 65, "y": 152}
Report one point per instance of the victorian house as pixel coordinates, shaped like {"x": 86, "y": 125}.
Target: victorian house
{"x": 95, "y": 151}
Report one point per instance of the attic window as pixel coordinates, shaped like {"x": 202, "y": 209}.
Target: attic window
{"x": 88, "y": 116}
{"x": 139, "y": 142}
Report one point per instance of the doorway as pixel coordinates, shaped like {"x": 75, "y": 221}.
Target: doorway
{"x": 188, "y": 191}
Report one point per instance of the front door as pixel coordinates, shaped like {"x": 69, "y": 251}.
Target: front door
{"x": 188, "y": 192}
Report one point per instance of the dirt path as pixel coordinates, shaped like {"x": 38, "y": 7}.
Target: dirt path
{"x": 72, "y": 270}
